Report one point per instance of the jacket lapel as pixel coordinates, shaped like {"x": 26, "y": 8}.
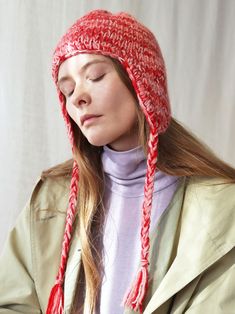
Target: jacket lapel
{"x": 199, "y": 245}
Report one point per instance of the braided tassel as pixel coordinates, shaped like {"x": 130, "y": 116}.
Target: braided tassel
{"x": 135, "y": 297}
{"x": 56, "y": 299}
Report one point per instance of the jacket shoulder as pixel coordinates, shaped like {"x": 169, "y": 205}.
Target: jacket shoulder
{"x": 51, "y": 194}
{"x": 211, "y": 202}
{"x": 215, "y": 191}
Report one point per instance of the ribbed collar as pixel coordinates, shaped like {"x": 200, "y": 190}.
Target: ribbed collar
{"x": 125, "y": 172}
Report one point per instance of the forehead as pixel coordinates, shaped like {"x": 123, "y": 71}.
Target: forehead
{"x": 80, "y": 62}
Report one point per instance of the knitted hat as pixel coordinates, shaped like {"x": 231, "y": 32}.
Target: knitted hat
{"x": 122, "y": 37}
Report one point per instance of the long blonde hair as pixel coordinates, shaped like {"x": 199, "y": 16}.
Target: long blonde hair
{"x": 180, "y": 154}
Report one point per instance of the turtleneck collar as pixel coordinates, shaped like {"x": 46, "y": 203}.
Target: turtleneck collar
{"x": 124, "y": 165}
{"x": 125, "y": 172}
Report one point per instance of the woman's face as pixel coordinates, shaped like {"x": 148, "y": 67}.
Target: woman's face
{"x": 98, "y": 101}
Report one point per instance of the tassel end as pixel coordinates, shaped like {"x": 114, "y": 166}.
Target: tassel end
{"x": 135, "y": 297}
{"x": 56, "y": 300}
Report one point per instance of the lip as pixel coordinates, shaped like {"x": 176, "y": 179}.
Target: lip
{"x": 87, "y": 117}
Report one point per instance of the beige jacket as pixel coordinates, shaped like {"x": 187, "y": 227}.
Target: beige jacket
{"x": 192, "y": 267}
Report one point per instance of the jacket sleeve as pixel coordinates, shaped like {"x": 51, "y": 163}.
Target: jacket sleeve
{"x": 17, "y": 289}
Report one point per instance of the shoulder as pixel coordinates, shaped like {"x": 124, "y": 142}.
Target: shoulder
{"x": 210, "y": 205}
{"x": 214, "y": 191}
{"x": 51, "y": 193}
{"x": 201, "y": 181}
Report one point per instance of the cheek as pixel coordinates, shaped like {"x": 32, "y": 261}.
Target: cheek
{"x": 117, "y": 98}
{"x": 126, "y": 108}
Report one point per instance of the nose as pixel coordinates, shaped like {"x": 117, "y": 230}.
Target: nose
{"x": 80, "y": 97}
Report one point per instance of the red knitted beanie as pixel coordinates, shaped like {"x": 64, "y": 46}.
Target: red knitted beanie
{"x": 122, "y": 37}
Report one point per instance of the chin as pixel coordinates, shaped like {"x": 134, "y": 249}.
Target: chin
{"x": 97, "y": 142}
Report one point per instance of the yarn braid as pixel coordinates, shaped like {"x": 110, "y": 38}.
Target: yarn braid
{"x": 135, "y": 297}
{"x": 56, "y": 299}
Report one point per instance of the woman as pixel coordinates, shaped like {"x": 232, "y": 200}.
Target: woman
{"x": 149, "y": 211}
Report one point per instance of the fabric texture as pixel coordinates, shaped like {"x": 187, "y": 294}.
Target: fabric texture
{"x": 122, "y": 37}
{"x": 124, "y": 181}
{"x": 191, "y": 269}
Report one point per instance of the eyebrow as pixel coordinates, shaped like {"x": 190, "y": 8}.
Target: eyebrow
{"x": 83, "y": 68}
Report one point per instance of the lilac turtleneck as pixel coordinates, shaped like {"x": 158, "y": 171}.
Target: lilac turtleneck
{"x": 125, "y": 175}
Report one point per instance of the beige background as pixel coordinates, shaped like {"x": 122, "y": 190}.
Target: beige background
{"x": 197, "y": 39}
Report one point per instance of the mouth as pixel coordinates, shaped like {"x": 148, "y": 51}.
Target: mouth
{"x": 87, "y": 118}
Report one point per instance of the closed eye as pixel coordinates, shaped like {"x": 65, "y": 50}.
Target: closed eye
{"x": 98, "y": 78}
{"x": 67, "y": 94}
